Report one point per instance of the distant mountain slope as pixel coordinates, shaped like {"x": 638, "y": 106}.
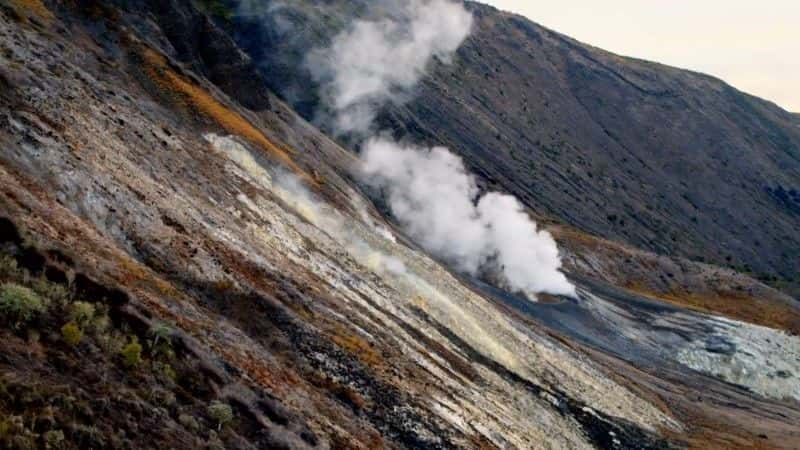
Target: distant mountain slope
{"x": 668, "y": 160}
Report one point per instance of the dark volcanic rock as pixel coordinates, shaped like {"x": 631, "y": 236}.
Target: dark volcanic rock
{"x": 716, "y": 344}
{"x": 204, "y": 47}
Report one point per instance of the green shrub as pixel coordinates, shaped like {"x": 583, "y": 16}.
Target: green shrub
{"x": 189, "y": 422}
{"x": 82, "y": 313}
{"x": 132, "y": 354}
{"x": 160, "y": 332}
{"x": 8, "y": 267}
{"x": 11, "y": 427}
{"x": 112, "y": 342}
{"x": 53, "y": 439}
{"x": 72, "y": 334}
{"x": 34, "y": 336}
{"x": 170, "y": 373}
{"x": 161, "y": 343}
{"x": 6, "y": 431}
{"x": 162, "y": 397}
{"x": 56, "y": 293}
{"x": 20, "y": 305}
{"x": 220, "y": 412}
{"x": 165, "y": 372}
{"x": 101, "y": 323}
{"x": 87, "y": 436}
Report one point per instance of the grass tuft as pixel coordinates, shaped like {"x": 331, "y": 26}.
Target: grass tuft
{"x": 71, "y": 334}
{"x": 358, "y": 347}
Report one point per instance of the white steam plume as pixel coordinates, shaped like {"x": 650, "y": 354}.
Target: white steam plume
{"x": 428, "y": 190}
{"x": 437, "y": 203}
{"x": 373, "y": 63}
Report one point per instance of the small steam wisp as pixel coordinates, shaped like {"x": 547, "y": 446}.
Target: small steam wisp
{"x": 373, "y": 63}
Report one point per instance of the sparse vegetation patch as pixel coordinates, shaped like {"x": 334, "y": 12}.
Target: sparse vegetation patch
{"x": 20, "y": 305}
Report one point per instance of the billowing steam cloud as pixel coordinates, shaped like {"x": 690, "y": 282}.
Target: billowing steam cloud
{"x": 437, "y": 203}
{"x": 377, "y": 62}
{"x": 428, "y": 190}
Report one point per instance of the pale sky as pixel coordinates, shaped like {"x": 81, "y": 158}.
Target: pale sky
{"x": 752, "y": 45}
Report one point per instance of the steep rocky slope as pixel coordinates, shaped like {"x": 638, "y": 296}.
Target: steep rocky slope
{"x": 668, "y": 160}
{"x": 210, "y": 225}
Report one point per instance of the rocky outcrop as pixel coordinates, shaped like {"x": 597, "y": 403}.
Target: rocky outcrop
{"x": 189, "y": 36}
